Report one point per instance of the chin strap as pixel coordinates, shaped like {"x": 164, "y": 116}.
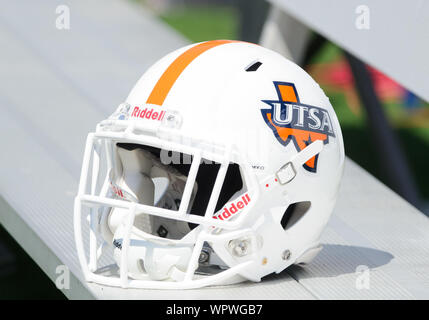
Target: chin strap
{"x": 288, "y": 172}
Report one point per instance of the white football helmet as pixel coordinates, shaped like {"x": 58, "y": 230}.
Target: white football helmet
{"x": 222, "y": 165}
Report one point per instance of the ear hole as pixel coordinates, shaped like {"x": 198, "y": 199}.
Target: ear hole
{"x": 294, "y": 213}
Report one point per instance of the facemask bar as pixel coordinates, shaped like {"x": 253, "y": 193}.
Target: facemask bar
{"x": 125, "y": 282}
{"x": 223, "y": 158}
{"x": 93, "y": 201}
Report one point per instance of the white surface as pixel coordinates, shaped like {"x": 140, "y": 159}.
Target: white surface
{"x": 285, "y": 35}
{"x": 55, "y": 85}
{"x": 395, "y": 43}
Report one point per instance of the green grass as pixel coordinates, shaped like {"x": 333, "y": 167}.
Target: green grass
{"x": 329, "y": 53}
{"x": 201, "y": 23}
{"x": 346, "y": 117}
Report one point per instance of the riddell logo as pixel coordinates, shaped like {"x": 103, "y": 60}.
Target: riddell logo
{"x": 147, "y": 113}
{"x": 231, "y": 209}
{"x": 117, "y": 190}
{"x": 289, "y": 119}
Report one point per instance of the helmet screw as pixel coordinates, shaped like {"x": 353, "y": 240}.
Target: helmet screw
{"x": 286, "y": 255}
{"x": 204, "y": 256}
{"x": 240, "y": 249}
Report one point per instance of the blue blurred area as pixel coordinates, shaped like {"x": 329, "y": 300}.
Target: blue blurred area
{"x": 411, "y": 101}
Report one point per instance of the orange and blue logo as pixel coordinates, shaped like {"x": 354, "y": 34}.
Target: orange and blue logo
{"x": 291, "y": 120}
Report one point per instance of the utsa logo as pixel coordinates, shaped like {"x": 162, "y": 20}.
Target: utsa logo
{"x": 289, "y": 119}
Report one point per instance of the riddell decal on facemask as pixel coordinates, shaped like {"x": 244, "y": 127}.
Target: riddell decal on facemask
{"x": 147, "y": 113}
{"x": 118, "y": 191}
{"x": 233, "y": 208}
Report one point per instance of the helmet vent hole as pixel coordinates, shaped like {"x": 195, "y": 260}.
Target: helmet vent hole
{"x": 294, "y": 213}
{"x": 253, "y": 66}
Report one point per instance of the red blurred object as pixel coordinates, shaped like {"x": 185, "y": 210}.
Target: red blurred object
{"x": 385, "y": 87}
{"x": 337, "y": 76}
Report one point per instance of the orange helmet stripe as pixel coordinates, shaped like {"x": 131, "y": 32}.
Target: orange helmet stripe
{"x": 287, "y": 93}
{"x": 170, "y": 75}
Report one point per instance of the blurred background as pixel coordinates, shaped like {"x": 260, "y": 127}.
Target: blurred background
{"x": 406, "y": 115}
